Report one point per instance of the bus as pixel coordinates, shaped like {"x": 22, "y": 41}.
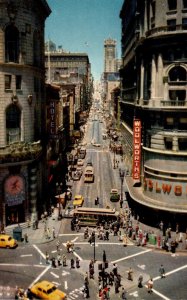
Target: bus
{"x": 89, "y": 216}
{"x": 89, "y": 174}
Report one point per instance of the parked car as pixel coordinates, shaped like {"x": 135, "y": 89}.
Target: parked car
{"x": 6, "y": 241}
{"x": 80, "y": 162}
{"x": 47, "y": 290}
{"x": 114, "y": 195}
{"x": 77, "y": 174}
{"x": 78, "y": 201}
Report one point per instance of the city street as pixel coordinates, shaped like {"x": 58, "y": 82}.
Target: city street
{"x": 27, "y": 264}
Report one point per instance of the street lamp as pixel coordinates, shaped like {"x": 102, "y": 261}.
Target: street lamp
{"x": 121, "y": 174}
{"x": 59, "y": 189}
{"x": 114, "y": 149}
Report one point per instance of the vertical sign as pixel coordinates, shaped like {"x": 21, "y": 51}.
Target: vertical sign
{"x": 52, "y": 117}
{"x": 136, "y": 149}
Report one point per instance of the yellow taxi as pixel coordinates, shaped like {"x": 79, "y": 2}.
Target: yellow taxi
{"x": 47, "y": 290}
{"x": 78, "y": 201}
{"x": 6, "y": 241}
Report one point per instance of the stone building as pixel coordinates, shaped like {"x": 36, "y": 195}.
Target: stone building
{"x": 22, "y": 101}
{"x": 154, "y": 92}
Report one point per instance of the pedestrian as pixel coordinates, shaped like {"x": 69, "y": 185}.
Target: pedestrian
{"x": 26, "y": 238}
{"x": 53, "y": 262}
{"x": 48, "y": 233}
{"x": 57, "y": 245}
{"x": 91, "y": 272}
{"x": 116, "y": 285}
{"x": 104, "y": 256}
{"x": 162, "y": 271}
{"x": 86, "y": 291}
{"x": 86, "y": 281}
{"x": 130, "y": 274}
{"x": 140, "y": 280}
{"x": 111, "y": 278}
{"x": 53, "y": 231}
{"x": 107, "y": 235}
{"x": 64, "y": 260}
{"x": 150, "y": 285}
{"x": 47, "y": 258}
{"x": 115, "y": 269}
{"x": 77, "y": 262}
{"x": 59, "y": 261}
{"x": 108, "y": 294}
{"x": 123, "y": 294}
{"x": 72, "y": 263}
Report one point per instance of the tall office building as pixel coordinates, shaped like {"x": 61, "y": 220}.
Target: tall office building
{"x": 109, "y": 56}
{"x": 154, "y": 106}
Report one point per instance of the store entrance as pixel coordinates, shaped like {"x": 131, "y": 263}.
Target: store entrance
{"x": 15, "y": 214}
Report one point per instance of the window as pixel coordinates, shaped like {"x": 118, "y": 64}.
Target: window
{"x": 182, "y": 142}
{"x": 177, "y": 74}
{"x": 171, "y": 25}
{"x": 168, "y": 143}
{"x": 13, "y": 120}
{"x": 184, "y": 3}
{"x": 179, "y": 95}
{"x": 18, "y": 82}
{"x": 184, "y": 23}
{"x": 172, "y": 4}
{"x": 11, "y": 44}
{"x": 8, "y": 79}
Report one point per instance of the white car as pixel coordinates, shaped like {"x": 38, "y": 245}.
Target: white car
{"x": 80, "y": 162}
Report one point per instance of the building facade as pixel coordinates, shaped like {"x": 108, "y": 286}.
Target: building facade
{"x": 22, "y": 100}
{"x": 154, "y": 93}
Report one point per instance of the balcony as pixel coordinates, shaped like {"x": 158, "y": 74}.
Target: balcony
{"x": 20, "y": 152}
{"x": 165, "y": 29}
{"x": 159, "y": 103}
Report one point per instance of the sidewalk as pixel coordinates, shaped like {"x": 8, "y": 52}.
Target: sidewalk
{"x": 38, "y": 236}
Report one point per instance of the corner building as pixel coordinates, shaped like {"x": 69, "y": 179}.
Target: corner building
{"x": 22, "y": 102}
{"x": 154, "y": 91}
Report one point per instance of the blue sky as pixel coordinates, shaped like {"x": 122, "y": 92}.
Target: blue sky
{"x": 83, "y": 25}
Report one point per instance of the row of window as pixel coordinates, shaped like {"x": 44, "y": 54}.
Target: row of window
{"x": 172, "y": 4}
{"x": 12, "y": 45}
{"x": 8, "y": 82}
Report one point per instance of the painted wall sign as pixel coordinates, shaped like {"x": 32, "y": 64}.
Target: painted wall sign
{"x": 52, "y": 117}
{"x": 136, "y": 149}
{"x": 165, "y": 188}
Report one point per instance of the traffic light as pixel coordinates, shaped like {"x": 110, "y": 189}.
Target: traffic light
{"x": 106, "y": 264}
{"x": 100, "y": 267}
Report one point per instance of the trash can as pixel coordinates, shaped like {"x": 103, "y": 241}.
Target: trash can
{"x": 17, "y": 234}
{"x": 152, "y": 239}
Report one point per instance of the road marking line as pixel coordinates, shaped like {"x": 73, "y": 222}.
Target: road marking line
{"x": 77, "y": 255}
{"x": 55, "y": 275}
{"x": 39, "y": 251}
{"x": 39, "y": 276}
{"x": 21, "y": 265}
{"x": 65, "y": 285}
{"x": 66, "y": 234}
{"x": 74, "y": 239}
{"x": 133, "y": 255}
{"x": 24, "y": 255}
